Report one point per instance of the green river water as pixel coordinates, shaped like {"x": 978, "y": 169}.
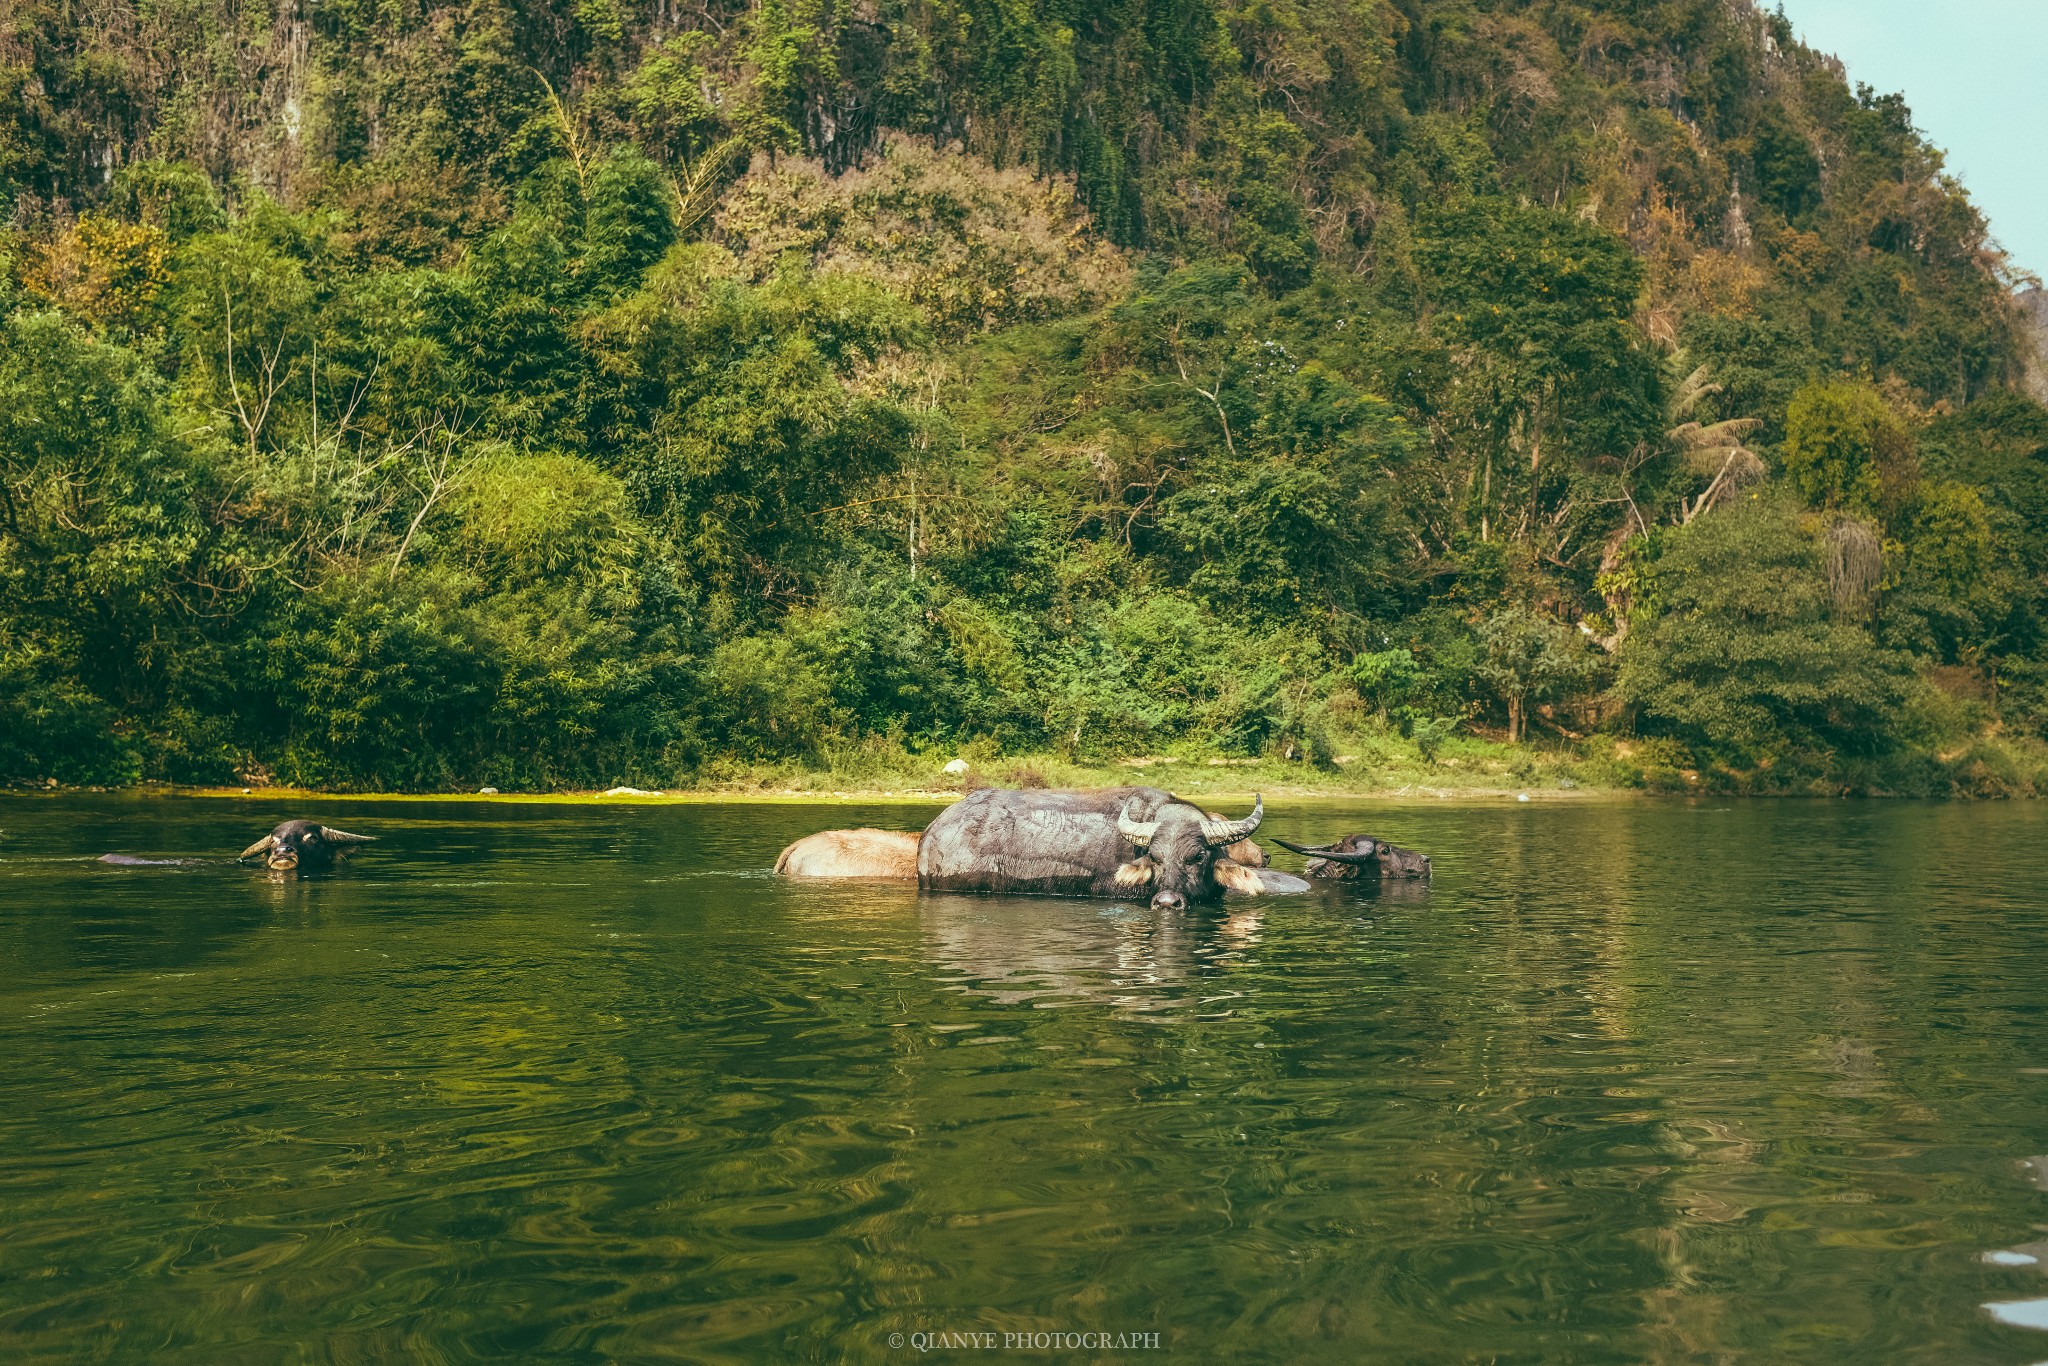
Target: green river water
{"x": 1632, "y": 1081}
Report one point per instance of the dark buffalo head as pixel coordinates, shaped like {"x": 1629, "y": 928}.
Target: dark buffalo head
{"x": 303, "y": 845}
{"x": 1361, "y": 856}
{"x": 1180, "y": 854}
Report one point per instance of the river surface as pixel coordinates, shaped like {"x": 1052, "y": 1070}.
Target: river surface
{"x": 1631, "y": 1082}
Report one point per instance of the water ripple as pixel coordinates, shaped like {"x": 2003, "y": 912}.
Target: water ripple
{"x": 536, "y": 1083}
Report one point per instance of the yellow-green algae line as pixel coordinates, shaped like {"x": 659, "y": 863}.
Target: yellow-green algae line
{"x": 852, "y": 796}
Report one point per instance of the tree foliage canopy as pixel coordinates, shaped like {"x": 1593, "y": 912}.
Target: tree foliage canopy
{"x": 589, "y": 391}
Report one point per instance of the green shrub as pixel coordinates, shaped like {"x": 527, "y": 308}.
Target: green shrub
{"x": 1748, "y": 661}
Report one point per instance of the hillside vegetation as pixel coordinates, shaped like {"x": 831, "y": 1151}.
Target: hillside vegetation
{"x": 579, "y": 391}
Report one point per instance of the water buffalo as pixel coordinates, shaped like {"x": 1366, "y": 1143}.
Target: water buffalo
{"x": 304, "y": 846}
{"x": 1361, "y": 856}
{"x": 884, "y": 855}
{"x": 852, "y": 854}
{"x": 1114, "y": 842}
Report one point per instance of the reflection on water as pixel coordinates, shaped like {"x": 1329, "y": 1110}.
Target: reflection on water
{"x": 1627, "y": 1082}
{"x": 2022, "y": 1313}
{"x": 1050, "y": 952}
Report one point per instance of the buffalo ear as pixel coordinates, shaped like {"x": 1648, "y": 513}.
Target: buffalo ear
{"x": 1137, "y": 873}
{"x": 262, "y": 846}
{"x": 1235, "y": 877}
{"x": 1248, "y": 853}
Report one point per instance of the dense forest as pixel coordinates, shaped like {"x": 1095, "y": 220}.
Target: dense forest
{"x": 558, "y": 392}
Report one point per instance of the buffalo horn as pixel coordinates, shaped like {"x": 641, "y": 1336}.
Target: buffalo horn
{"x": 1326, "y": 852}
{"x": 261, "y": 846}
{"x": 333, "y": 836}
{"x": 1219, "y": 833}
{"x": 1139, "y": 833}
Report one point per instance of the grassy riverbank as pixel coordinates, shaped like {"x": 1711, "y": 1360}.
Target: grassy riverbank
{"x": 1392, "y": 765}
{"x": 1385, "y": 765}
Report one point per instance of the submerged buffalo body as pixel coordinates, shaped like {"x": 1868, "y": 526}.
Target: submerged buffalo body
{"x": 304, "y": 846}
{"x": 1357, "y": 856}
{"x": 852, "y": 854}
{"x": 1115, "y": 842}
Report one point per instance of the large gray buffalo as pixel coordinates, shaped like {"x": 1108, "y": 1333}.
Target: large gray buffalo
{"x": 1111, "y": 842}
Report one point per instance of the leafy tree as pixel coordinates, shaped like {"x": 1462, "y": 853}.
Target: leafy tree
{"x": 667, "y": 94}
{"x": 1259, "y": 159}
{"x": 1292, "y": 517}
{"x": 1747, "y": 657}
{"x": 973, "y": 246}
{"x": 764, "y": 699}
{"x": 103, "y": 270}
{"x": 1528, "y": 657}
{"x": 754, "y": 426}
{"x": 103, "y": 557}
{"x": 1843, "y": 445}
{"x": 1385, "y": 677}
{"x": 1951, "y": 591}
{"x": 1543, "y": 303}
{"x": 1787, "y": 172}
{"x": 626, "y": 223}
{"x": 175, "y": 197}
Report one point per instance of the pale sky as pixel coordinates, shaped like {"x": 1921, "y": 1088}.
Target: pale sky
{"x": 1975, "y": 73}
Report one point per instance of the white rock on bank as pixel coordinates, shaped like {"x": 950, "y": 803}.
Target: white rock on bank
{"x": 955, "y": 768}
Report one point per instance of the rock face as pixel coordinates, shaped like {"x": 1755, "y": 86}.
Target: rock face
{"x": 2034, "y": 325}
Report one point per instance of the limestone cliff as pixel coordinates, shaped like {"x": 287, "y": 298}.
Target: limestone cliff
{"x": 2034, "y": 330}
